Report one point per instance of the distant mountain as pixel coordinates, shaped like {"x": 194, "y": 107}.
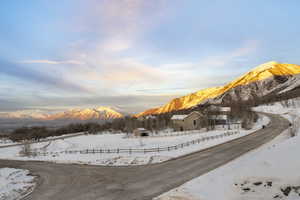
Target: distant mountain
{"x": 271, "y": 78}
{"x": 24, "y": 114}
{"x": 100, "y": 113}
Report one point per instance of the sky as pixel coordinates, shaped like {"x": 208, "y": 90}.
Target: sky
{"x": 135, "y": 54}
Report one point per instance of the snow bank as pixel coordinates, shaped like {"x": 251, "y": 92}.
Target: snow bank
{"x": 263, "y": 174}
{"x": 15, "y": 183}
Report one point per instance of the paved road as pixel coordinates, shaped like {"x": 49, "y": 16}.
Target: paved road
{"x": 79, "y": 182}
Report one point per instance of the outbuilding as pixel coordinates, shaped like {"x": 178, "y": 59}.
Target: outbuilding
{"x": 141, "y": 132}
{"x": 222, "y": 122}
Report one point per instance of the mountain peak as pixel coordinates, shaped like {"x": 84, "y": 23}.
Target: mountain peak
{"x": 101, "y": 113}
{"x": 266, "y": 66}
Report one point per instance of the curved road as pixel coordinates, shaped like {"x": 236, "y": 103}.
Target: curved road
{"x": 80, "y": 182}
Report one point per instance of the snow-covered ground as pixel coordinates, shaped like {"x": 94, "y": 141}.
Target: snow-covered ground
{"x": 268, "y": 173}
{"x": 5, "y": 142}
{"x": 15, "y": 183}
{"x": 120, "y": 141}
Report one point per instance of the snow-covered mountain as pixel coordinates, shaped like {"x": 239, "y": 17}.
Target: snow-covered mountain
{"x": 101, "y": 113}
{"x": 266, "y": 80}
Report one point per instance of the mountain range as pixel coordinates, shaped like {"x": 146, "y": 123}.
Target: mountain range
{"x": 99, "y": 113}
{"x": 268, "y": 79}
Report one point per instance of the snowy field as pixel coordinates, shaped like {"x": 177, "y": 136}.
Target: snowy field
{"x": 268, "y": 173}
{"x": 120, "y": 141}
{"x": 8, "y": 142}
{"x": 15, "y": 183}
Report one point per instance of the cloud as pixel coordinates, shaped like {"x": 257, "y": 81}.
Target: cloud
{"x": 128, "y": 71}
{"x": 52, "y": 62}
{"x": 116, "y": 45}
{"x": 116, "y": 25}
{"x": 128, "y": 74}
{"x": 27, "y": 74}
{"x": 238, "y": 54}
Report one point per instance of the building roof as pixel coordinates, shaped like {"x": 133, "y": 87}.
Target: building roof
{"x": 182, "y": 117}
{"x": 225, "y": 109}
{"x": 178, "y": 117}
{"x": 141, "y": 129}
{"x": 218, "y": 117}
{"x": 141, "y": 118}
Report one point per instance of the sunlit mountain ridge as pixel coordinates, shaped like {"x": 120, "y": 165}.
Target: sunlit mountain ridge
{"x": 259, "y": 73}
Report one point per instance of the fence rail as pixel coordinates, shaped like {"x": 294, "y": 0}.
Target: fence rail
{"x": 169, "y": 134}
{"x": 131, "y": 150}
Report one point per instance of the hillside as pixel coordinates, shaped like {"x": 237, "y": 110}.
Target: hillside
{"x": 261, "y": 81}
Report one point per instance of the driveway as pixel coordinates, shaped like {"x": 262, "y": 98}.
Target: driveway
{"x": 80, "y": 182}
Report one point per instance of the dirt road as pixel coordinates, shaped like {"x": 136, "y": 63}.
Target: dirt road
{"x": 79, "y": 182}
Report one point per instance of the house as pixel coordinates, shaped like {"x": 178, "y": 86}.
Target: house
{"x": 141, "y": 132}
{"x": 192, "y": 121}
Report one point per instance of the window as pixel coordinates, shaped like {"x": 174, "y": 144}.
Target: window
{"x": 195, "y": 123}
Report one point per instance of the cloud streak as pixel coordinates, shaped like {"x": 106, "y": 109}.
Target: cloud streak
{"x": 248, "y": 47}
{"x": 52, "y": 62}
{"x": 27, "y": 74}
